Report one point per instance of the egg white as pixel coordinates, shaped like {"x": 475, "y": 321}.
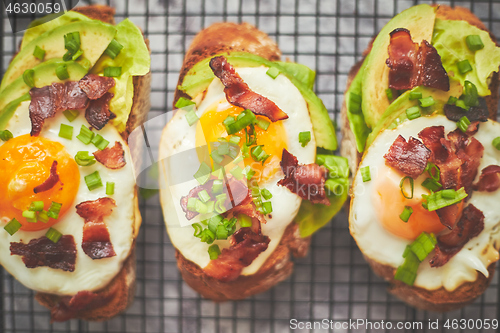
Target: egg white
{"x": 382, "y": 246}
{"x": 179, "y": 137}
{"x": 89, "y": 274}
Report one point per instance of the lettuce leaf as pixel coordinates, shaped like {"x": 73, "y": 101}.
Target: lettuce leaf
{"x": 449, "y": 40}
{"x": 134, "y": 60}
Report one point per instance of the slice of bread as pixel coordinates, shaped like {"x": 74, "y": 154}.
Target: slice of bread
{"x": 439, "y": 300}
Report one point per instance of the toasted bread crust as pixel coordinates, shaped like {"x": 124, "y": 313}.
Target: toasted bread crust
{"x": 439, "y": 300}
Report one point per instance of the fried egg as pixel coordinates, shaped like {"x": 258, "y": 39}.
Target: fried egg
{"x": 25, "y": 162}
{"x": 376, "y": 205}
{"x": 180, "y": 157}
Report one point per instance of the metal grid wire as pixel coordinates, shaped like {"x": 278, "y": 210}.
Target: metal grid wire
{"x": 333, "y": 281}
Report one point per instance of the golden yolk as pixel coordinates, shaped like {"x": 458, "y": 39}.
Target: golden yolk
{"x": 25, "y": 163}
{"x": 273, "y": 139}
{"x": 391, "y": 203}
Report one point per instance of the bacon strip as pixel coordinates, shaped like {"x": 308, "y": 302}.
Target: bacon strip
{"x": 470, "y": 225}
{"x": 475, "y": 113}
{"x": 96, "y": 86}
{"x": 489, "y": 180}
{"x": 96, "y": 241}
{"x": 97, "y": 113}
{"x": 49, "y": 182}
{"x": 238, "y": 93}
{"x": 412, "y": 65}
{"x": 44, "y": 252}
{"x": 408, "y": 157}
{"x": 111, "y": 157}
{"x": 245, "y": 247}
{"x": 305, "y": 180}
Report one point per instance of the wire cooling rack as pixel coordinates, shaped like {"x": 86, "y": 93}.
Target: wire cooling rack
{"x": 333, "y": 282}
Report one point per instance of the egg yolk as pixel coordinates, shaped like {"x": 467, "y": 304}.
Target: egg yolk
{"x": 25, "y": 163}
{"x": 273, "y": 140}
{"x": 391, "y": 203}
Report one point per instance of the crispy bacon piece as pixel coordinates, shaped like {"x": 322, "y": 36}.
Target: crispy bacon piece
{"x": 489, "y": 180}
{"x": 111, "y": 157}
{"x": 475, "y": 113}
{"x": 96, "y": 86}
{"x": 96, "y": 242}
{"x": 245, "y": 247}
{"x": 248, "y": 208}
{"x": 412, "y": 65}
{"x": 44, "y": 252}
{"x": 305, "y": 180}
{"x": 49, "y": 182}
{"x": 48, "y": 100}
{"x": 470, "y": 225}
{"x": 449, "y": 215}
{"x": 408, "y": 157}
{"x": 69, "y": 306}
{"x": 471, "y": 159}
{"x": 97, "y": 113}
{"x": 238, "y": 93}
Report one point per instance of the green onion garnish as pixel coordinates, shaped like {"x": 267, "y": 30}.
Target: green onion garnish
{"x": 182, "y": 102}
{"x": 401, "y": 186}
{"x": 431, "y": 184}
{"x": 460, "y": 103}
{"x": 389, "y": 94}
{"x": 99, "y": 142}
{"x": 36, "y": 206}
{"x": 262, "y": 123}
{"x": 304, "y": 138}
{"x": 191, "y": 204}
{"x": 237, "y": 172}
{"x": 436, "y": 200}
{"x": 474, "y": 42}
{"x": 470, "y": 94}
{"x": 77, "y": 55}
{"x": 354, "y": 103}
{"x": 113, "y": 49}
{"x": 267, "y": 207}
{"x": 110, "y": 188}
{"x": 204, "y": 196}
{"x": 43, "y": 216}
{"x": 496, "y": 143}
{"x": 407, "y": 272}
{"x": 217, "y": 186}
{"x": 273, "y": 72}
{"x": 72, "y": 42}
{"x": 266, "y": 194}
{"x": 203, "y": 173}
{"x": 62, "y": 72}
{"x": 413, "y": 112}
{"x": 29, "y": 77}
{"x": 93, "y": 181}
{"x": 415, "y": 95}
{"x": 83, "y": 158}
{"x": 201, "y": 207}
{"x": 39, "y": 53}
{"x": 433, "y": 171}
{"x": 223, "y": 148}
{"x": 213, "y": 251}
{"x": 452, "y": 100}
{"x": 365, "y": 174}
{"x": 30, "y": 216}
{"x": 248, "y": 172}
{"x": 112, "y": 71}
{"x": 13, "y": 226}
{"x": 243, "y": 120}
{"x": 66, "y": 131}
{"x": 464, "y": 66}
{"x": 54, "y": 210}
{"x": 463, "y": 124}
{"x": 426, "y": 102}
{"x": 71, "y": 114}
{"x": 216, "y": 157}
{"x": 423, "y": 245}
{"x": 236, "y": 139}
{"x": 191, "y": 117}
{"x": 86, "y": 135}
{"x": 221, "y": 232}
{"x": 6, "y": 135}
{"x": 53, "y": 235}
{"x": 258, "y": 154}
{"x": 405, "y": 215}
{"x": 245, "y": 221}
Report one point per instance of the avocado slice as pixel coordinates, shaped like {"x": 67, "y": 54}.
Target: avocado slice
{"x": 95, "y": 37}
{"x": 419, "y": 20}
{"x": 200, "y": 75}
{"x": 45, "y": 74}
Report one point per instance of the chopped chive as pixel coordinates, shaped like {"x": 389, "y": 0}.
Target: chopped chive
{"x": 71, "y": 114}
{"x": 474, "y": 42}
{"x": 304, "y": 138}
{"x": 448, "y": 194}
{"x": 463, "y": 124}
{"x": 204, "y": 196}
{"x": 273, "y": 72}
{"x": 413, "y": 112}
{"x": 39, "y": 53}
{"x": 267, "y": 207}
{"x": 415, "y": 95}
{"x": 54, "y": 210}
{"x": 431, "y": 184}
{"x": 452, "y": 100}
{"x": 83, "y": 158}
{"x": 235, "y": 139}
{"x": 436, "y": 200}
{"x": 237, "y": 172}
{"x": 221, "y": 232}
{"x": 423, "y": 245}
{"x": 258, "y": 154}
{"x": 365, "y": 174}
{"x": 401, "y": 186}
{"x": 62, "y": 72}
{"x": 13, "y": 226}
{"x": 213, "y": 251}
{"x": 53, "y": 235}
{"x": 248, "y": 172}
{"x": 6, "y": 135}
{"x": 201, "y": 207}
{"x": 113, "y": 49}
{"x": 29, "y": 77}
{"x": 99, "y": 142}
{"x": 245, "y": 221}
{"x": 389, "y": 94}
{"x": 405, "y": 215}
{"x": 30, "y": 216}
{"x": 243, "y": 120}
{"x": 110, "y": 188}
{"x": 464, "y": 66}
{"x": 66, "y": 131}
{"x": 86, "y": 135}
{"x": 262, "y": 123}
{"x": 471, "y": 95}
{"x": 266, "y": 194}
{"x": 77, "y": 55}
{"x": 182, "y": 102}
{"x": 36, "y": 206}
{"x": 223, "y": 148}
{"x": 426, "y": 102}
{"x": 191, "y": 204}
{"x": 203, "y": 173}
{"x": 216, "y": 157}
{"x": 112, "y": 71}
{"x": 461, "y": 103}
{"x": 43, "y": 217}
{"x": 191, "y": 117}
{"x": 217, "y": 186}
{"x": 496, "y": 143}
{"x": 354, "y": 103}
{"x": 93, "y": 181}
{"x": 72, "y": 42}
{"x": 407, "y": 272}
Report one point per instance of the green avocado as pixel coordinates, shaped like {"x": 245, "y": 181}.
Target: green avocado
{"x": 95, "y": 37}
{"x": 419, "y": 20}
{"x": 45, "y": 74}
{"x": 200, "y": 75}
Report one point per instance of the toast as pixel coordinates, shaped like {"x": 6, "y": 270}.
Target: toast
{"x": 439, "y": 300}
{"x": 119, "y": 293}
